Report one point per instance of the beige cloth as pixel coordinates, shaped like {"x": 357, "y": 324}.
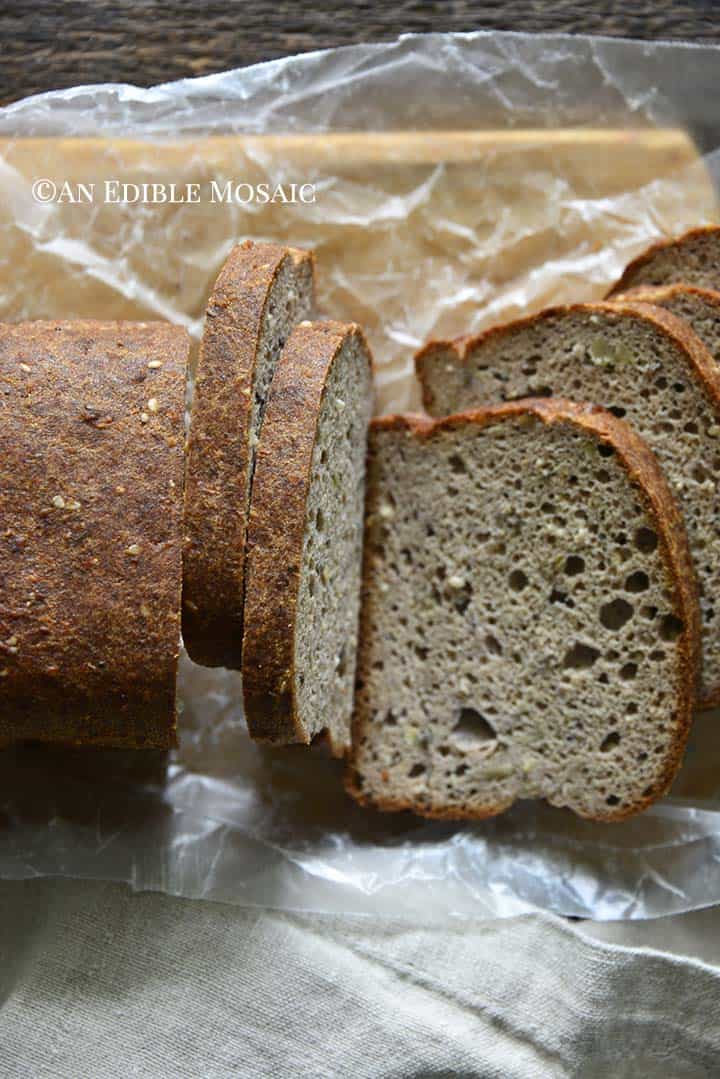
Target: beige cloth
{"x": 97, "y": 981}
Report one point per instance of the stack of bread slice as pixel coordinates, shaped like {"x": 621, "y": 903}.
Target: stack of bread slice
{"x": 523, "y": 606}
{"x": 530, "y": 616}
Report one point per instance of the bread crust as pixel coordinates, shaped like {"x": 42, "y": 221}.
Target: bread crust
{"x": 629, "y": 274}
{"x": 276, "y": 530}
{"x": 219, "y": 461}
{"x": 659, "y": 295}
{"x": 91, "y": 484}
{"x": 647, "y": 477}
{"x": 701, "y": 365}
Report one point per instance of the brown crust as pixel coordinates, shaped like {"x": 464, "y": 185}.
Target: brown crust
{"x": 647, "y": 476}
{"x": 91, "y": 480}
{"x": 701, "y": 365}
{"x": 659, "y": 295}
{"x": 219, "y": 456}
{"x": 631, "y": 271}
{"x": 276, "y": 531}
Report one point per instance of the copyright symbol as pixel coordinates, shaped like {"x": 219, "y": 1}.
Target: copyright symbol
{"x": 44, "y": 191}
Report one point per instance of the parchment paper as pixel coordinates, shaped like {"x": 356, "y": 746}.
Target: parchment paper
{"x": 459, "y": 180}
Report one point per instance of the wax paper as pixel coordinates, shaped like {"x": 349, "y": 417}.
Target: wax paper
{"x": 457, "y": 180}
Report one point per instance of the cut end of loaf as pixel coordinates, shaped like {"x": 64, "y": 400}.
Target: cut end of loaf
{"x": 527, "y": 630}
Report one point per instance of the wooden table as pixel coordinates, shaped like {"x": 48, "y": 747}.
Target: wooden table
{"x": 50, "y": 44}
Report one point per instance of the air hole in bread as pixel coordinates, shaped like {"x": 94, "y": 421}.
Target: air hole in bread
{"x": 580, "y": 657}
{"x": 612, "y": 800}
{"x": 618, "y": 410}
{"x": 457, "y": 464}
{"x": 616, "y": 614}
{"x": 517, "y": 580}
{"x": 416, "y": 770}
{"x": 637, "y": 582}
{"x": 574, "y": 564}
{"x": 612, "y": 740}
{"x": 493, "y": 645}
{"x": 646, "y": 541}
{"x": 472, "y": 731}
{"x": 604, "y": 450}
{"x": 628, "y": 671}
{"x": 670, "y": 628}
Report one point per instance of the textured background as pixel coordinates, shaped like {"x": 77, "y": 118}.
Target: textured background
{"x": 55, "y": 43}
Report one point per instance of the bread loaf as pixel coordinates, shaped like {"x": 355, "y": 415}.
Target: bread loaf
{"x": 305, "y": 539}
{"x": 641, "y": 362}
{"x": 529, "y": 623}
{"x": 261, "y": 293}
{"x": 91, "y": 486}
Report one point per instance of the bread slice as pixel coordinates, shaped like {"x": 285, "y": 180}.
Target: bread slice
{"x": 305, "y": 539}
{"x": 698, "y": 307}
{"x": 91, "y": 487}
{"x": 641, "y": 362}
{"x": 263, "y": 290}
{"x": 529, "y": 625}
{"x": 693, "y": 258}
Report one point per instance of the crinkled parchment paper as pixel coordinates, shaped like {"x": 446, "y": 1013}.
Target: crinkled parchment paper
{"x": 459, "y": 180}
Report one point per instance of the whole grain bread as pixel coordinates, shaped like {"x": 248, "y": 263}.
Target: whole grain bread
{"x": 693, "y": 258}
{"x": 641, "y": 362}
{"x": 263, "y": 290}
{"x": 91, "y": 486}
{"x": 305, "y": 535}
{"x": 698, "y": 307}
{"x": 529, "y": 623}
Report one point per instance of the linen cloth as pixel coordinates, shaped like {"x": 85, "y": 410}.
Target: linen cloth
{"x": 98, "y": 981}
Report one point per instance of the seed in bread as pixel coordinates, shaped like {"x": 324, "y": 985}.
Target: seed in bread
{"x": 529, "y": 624}
{"x": 305, "y": 539}
{"x": 641, "y": 362}
{"x": 90, "y": 540}
{"x": 693, "y": 258}
{"x": 263, "y": 290}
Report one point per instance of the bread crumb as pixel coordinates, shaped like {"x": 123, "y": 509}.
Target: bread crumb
{"x": 155, "y": 364}
{"x": 26, "y": 368}
{"x": 144, "y": 417}
{"x": 456, "y": 581}
{"x": 133, "y": 549}
{"x": 153, "y": 404}
{"x": 58, "y": 502}
{"x": 386, "y": 511}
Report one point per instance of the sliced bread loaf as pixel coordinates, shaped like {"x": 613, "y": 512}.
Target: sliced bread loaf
{"x": 261, "y": 293}
{"x": 693, "y": 258}
{"x": 699, "y": 307}
{"x": 529, "y": 624}
{"x": 641, "y": 362}
{"x": 305, "y": 539}
{"x": 91, "y": 487}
